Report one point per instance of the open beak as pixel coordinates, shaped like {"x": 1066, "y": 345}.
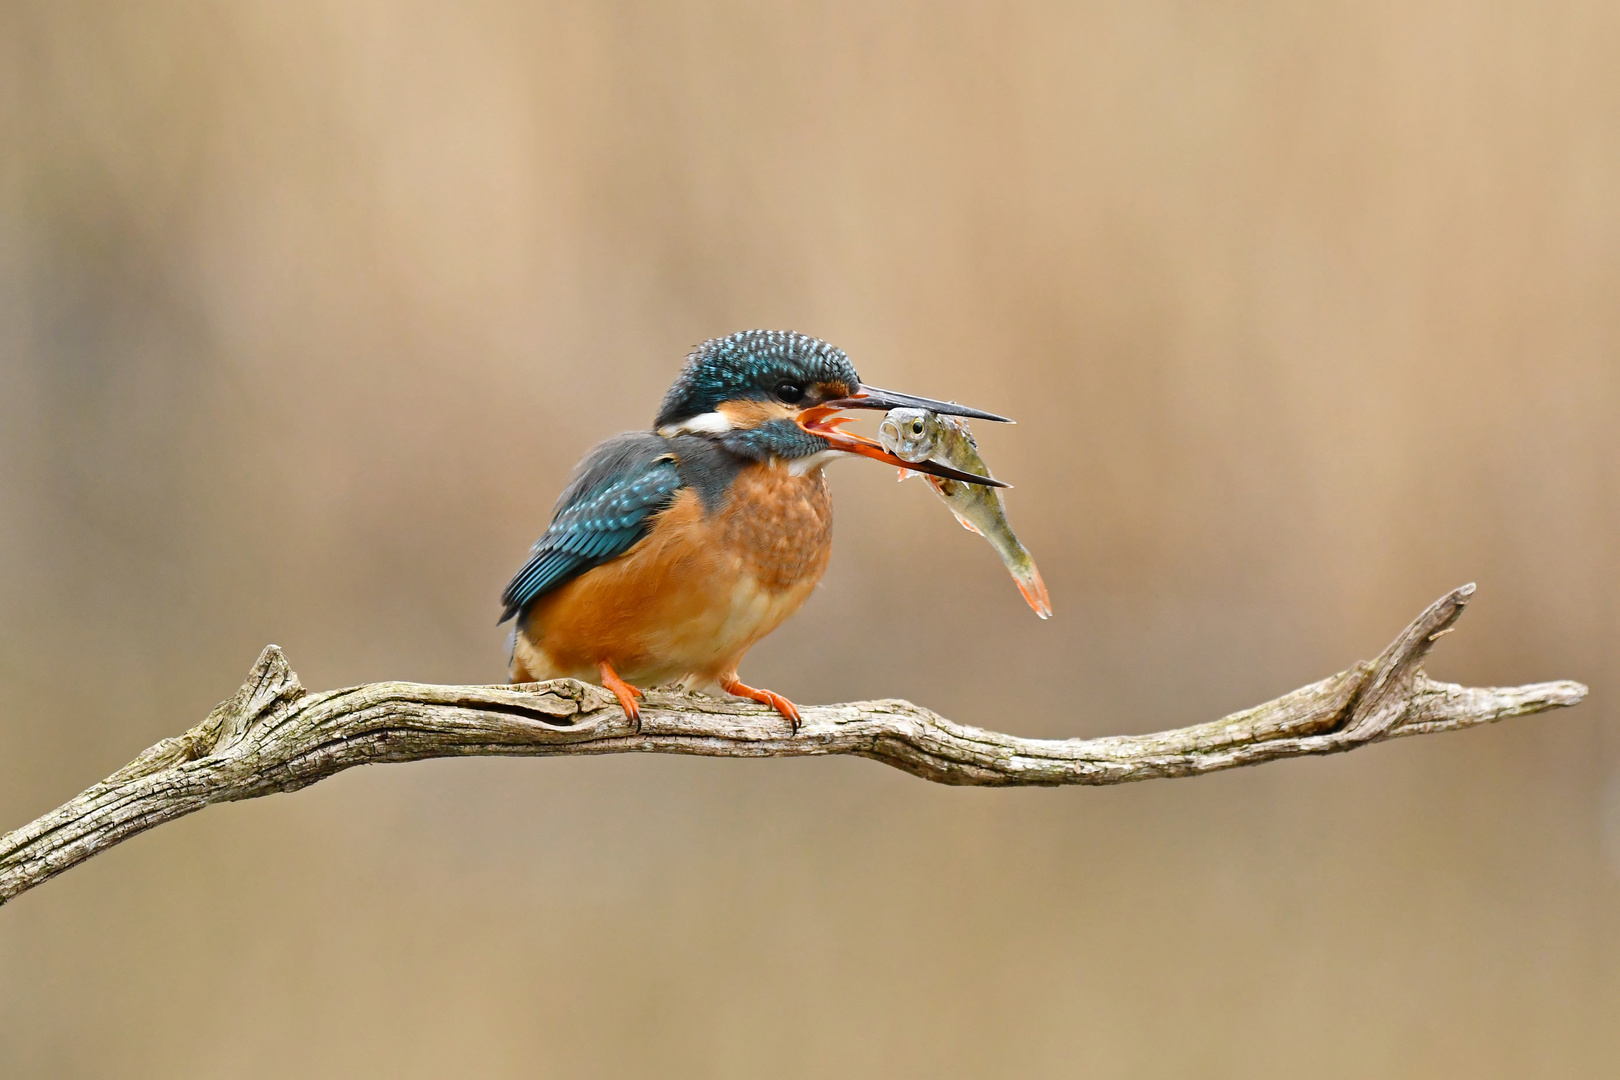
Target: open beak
{"x": 821, "y": 420}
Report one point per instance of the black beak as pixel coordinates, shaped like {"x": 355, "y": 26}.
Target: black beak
{"x": 934, "y": 468}
{"x": 870, "y": 397}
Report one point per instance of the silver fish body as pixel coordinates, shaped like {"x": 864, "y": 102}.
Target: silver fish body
{"x": 918, "y": 435}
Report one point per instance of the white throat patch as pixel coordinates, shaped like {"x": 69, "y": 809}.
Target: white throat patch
{"x": 709, "y": 423}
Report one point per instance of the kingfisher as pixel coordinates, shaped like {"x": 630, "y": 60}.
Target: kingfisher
{"x": 672, "y": 551}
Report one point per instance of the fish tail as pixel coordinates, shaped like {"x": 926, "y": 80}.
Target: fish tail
{"x": 1015, "y": 556}
{"x": 1028, "y": 578}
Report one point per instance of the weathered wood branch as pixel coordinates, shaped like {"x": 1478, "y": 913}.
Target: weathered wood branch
{"x": 274, "y": 736}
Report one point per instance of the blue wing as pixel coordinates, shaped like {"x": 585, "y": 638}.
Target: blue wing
{"x": 605, "y": 509}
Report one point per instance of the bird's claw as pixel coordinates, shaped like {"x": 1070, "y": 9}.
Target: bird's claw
{"x": 626, "y": 694}
{"x": 765, "y": 697}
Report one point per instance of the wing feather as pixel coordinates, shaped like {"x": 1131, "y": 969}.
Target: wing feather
{"x": 610, "y": 504}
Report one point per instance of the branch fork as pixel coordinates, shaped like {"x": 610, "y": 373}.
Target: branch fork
{"x": 272, "y": 736}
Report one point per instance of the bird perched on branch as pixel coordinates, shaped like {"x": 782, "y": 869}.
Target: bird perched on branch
{"x": 672, "y": 551}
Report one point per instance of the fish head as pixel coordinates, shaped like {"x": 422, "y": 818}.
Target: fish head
{"x": 909, "y": 434}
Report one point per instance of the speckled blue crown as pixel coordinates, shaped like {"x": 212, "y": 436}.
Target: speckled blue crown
{"x": 751, "y": 365}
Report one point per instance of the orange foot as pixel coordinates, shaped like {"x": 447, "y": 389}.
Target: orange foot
{"x": 765, "y": 697}
{"x": 626, "y": 694}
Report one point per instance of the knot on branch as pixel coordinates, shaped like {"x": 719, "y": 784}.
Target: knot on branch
{"x": 1385, "y": 699}
{"x": 270, "y": 689}
{"x": 265, "y": 697}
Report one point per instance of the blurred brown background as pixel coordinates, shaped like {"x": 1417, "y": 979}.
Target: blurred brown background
{"x": 1308, "y": 312}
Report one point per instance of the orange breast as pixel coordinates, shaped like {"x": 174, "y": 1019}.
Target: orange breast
{"x": 695, "y": 593}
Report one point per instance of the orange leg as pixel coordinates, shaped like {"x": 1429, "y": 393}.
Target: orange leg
{"x": 765, "y": 697}
{"x": 626, "y": 694}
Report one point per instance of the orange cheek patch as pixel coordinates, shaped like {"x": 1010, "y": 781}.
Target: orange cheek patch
{"x": 751, "y": 414}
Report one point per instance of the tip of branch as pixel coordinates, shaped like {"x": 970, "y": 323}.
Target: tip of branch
{"x": 1438, "y": 618}
{"x": 1567, "y": 693}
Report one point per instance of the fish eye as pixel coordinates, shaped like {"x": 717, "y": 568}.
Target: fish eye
{"x": 790, "y": 392}
{"x": 917, "y": 426}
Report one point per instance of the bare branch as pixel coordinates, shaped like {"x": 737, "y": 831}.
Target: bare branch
{"x": 274, "y": 736}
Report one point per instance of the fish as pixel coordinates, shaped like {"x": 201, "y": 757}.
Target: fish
{"x": 922, "y": 435}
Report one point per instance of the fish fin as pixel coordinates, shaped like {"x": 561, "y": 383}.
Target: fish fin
{"x": 960, "y": 424}
{"x": 906, "y": 474}
{"x": 1034, "y": 590}
{"x": 968, "y": 525}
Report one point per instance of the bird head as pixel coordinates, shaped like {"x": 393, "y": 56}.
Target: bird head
{"x": 759, "y": 377}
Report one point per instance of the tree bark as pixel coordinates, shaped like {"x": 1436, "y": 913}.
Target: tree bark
{"x": 274, "y": 736}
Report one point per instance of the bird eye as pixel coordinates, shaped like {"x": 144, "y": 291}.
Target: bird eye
{"x": 790, "y": 392}
{"x": 917, "y": 426}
